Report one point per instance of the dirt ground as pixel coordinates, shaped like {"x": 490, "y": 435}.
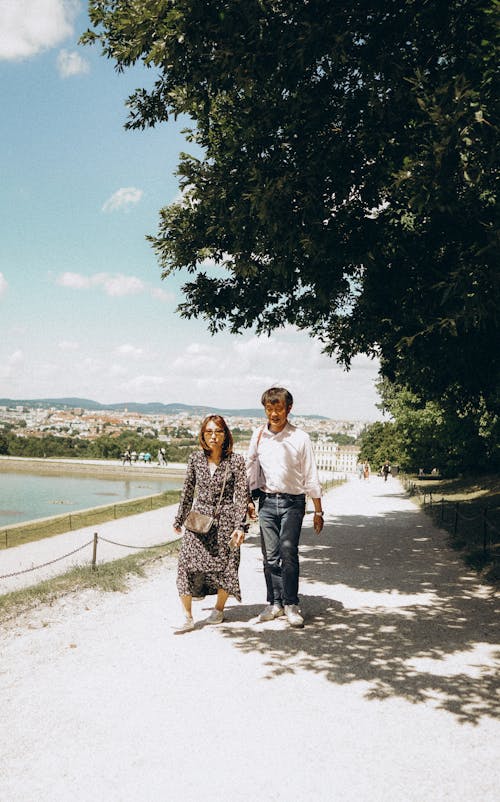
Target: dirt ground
{"x": 389, "y": 694}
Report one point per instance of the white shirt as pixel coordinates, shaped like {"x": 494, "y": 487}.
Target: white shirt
{"x": 287, "y": 462}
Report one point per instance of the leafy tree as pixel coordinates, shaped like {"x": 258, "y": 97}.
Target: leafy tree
{"x": 342, "y": 439}
{"x": 378, "y": 442}
{"x": 426, "y": 434}
{"x": 344, "y": 173}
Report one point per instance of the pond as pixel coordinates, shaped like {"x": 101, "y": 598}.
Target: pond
{"x": 27, "y": 496}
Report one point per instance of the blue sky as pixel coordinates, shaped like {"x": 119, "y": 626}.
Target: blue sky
{"x": 83, "y": 309}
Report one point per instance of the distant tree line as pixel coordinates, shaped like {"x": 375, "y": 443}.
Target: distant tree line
{"x": 103, "y": 447}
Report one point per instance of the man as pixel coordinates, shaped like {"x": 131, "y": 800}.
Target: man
{"x": 281, "y": 472}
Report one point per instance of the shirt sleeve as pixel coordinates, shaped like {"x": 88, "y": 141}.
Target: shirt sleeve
{"x": 252, "y": 465}
{"x": 312, "y": 485}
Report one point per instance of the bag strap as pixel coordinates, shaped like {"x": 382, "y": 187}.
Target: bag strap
{"x": 216, "y": 512}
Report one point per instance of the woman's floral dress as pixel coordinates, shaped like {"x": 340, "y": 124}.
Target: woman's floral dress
{"x": 206, "y": 563}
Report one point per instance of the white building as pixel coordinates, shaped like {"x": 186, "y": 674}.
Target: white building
{"x": 334, "y": 458}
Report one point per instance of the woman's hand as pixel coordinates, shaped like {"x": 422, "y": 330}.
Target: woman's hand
{"x": 237, "y": 538}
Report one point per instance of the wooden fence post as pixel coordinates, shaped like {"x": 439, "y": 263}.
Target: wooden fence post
{"x": 94, "y": 552}
{"x": 485, "y": 529}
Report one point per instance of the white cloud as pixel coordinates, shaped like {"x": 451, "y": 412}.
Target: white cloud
{"x": 161, "y": 295}
{"x": 144, "y": 384}
{"x": 113, "y": 285}
{"x": 91, "y": 365}
{"x": 226, "y": 371}
{"x": 117, "y": 370}
{"x": 70, "y": 63}
{"x": 74, "y": 280}
{"x": 8, "y": 367}
{"x": 233, "y": 372}
{"x": 127, "y": 350}
{"x": 28, "y": 27}
{"x": 3, "y": 285}
{"x": 123, "y": 198}
{"x": 196, "y": 360}
{"x": 120, "y": 285}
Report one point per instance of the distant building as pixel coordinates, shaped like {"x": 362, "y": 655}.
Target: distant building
{"x": 347, "y": 458}
{"x": 333, "y": 457}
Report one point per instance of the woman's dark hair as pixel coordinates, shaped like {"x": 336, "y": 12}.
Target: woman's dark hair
{"x": 276, "y": 394}
{"x": 227, "y": 446}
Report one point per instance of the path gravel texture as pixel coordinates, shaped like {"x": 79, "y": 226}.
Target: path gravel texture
{"x": 389, "y": 694}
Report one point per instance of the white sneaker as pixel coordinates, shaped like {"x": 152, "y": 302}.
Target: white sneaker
{"x": 215, "y": 617}
{"x": 271, "y": 612}
{"x": 293, "y": 615}
{"x": 187, "y": 626}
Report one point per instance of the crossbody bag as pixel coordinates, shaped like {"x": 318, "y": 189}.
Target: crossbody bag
{"x": 199, "y": 522}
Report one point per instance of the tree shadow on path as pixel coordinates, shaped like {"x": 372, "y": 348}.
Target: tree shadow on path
{"x": 388, "y": 604}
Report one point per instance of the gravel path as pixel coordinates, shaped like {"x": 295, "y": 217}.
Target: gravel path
{"x": 389, "y": 694}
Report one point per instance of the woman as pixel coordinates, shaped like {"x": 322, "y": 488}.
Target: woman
{"x": 208, "y": 564}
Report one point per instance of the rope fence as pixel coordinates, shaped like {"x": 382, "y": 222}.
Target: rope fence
{"x": 451, "y": 514}
{"x": 24, "y": 532}
{"x": 94, "y": 542}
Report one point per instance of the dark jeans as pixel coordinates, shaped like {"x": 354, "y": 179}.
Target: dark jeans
{"x": 280, "y": 519}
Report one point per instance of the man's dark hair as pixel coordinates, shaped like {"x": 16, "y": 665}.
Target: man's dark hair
{"x": 275, "y": 395}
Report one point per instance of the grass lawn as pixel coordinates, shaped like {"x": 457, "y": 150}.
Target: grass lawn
{"x": 469, "y": 509}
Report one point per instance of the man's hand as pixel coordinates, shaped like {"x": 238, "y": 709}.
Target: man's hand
{"x": 252, "y": 512}
{"x": 318, "y": 522}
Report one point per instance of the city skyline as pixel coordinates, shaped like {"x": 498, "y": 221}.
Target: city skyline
{"x": 84, "y": 310}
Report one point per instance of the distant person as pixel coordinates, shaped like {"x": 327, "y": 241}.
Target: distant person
{"x": 359, "y": 470}
{"x": 386, "y": 469}
{"x": 208, "y": 564}
{"x": 127, "y": 458}
{"x": 282, "y": 471}
{"x": 366, "y": 470}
